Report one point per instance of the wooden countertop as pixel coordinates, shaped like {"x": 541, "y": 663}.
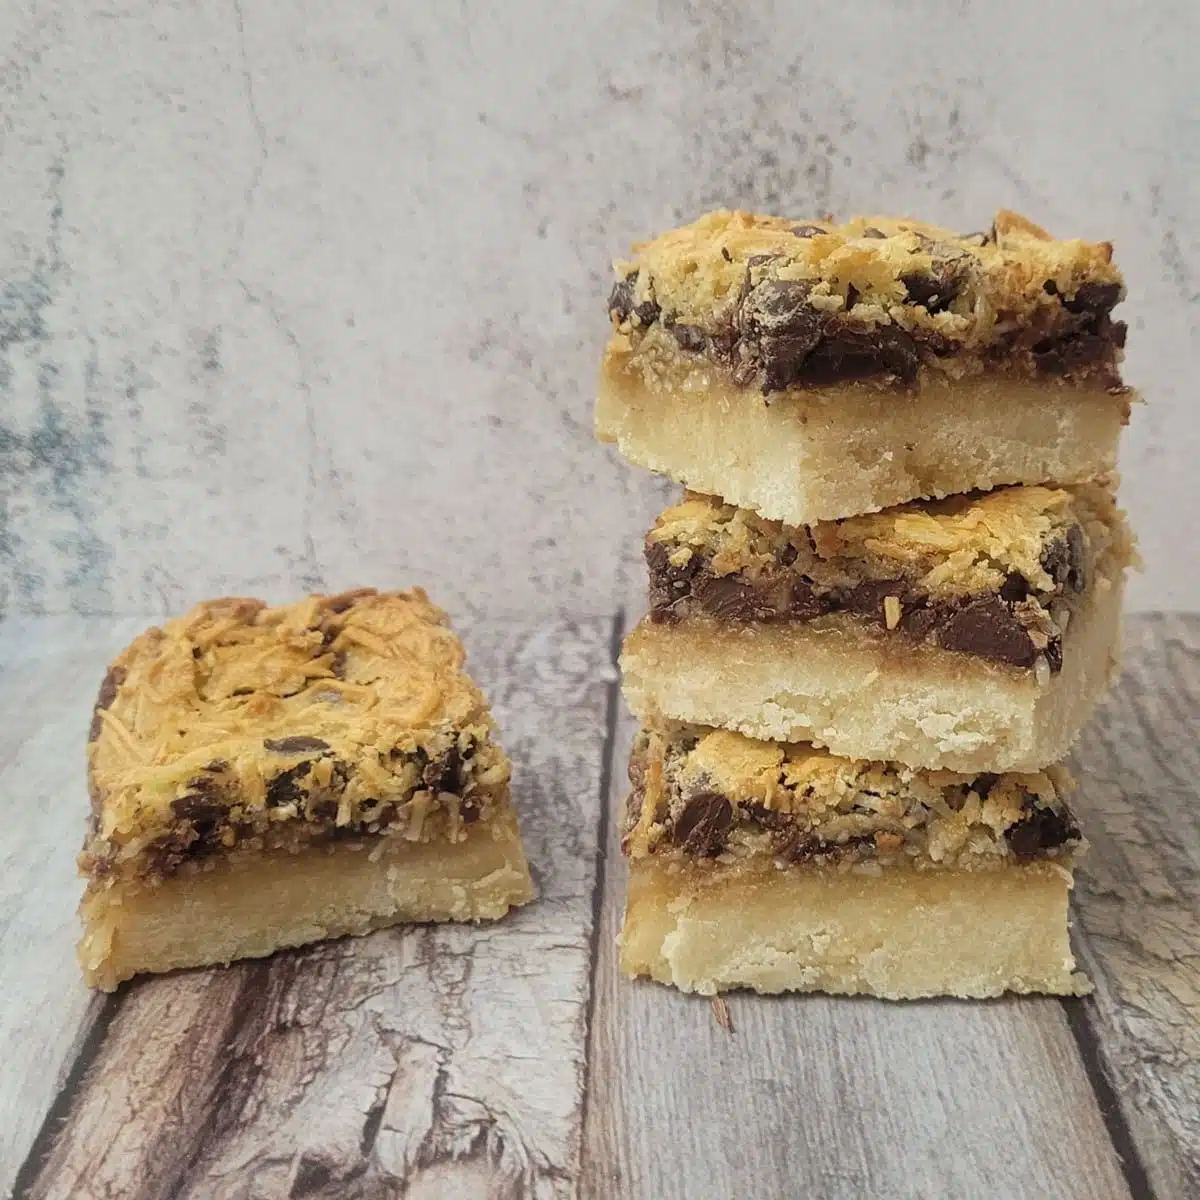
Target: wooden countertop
{"x": 512, "y": 1060}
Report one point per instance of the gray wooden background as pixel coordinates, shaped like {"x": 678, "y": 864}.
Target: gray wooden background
{"x": 308, "y": 295}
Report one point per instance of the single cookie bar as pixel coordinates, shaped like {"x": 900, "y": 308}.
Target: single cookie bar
{"x": 810, "y": 371}
{"x": 975, "y": 633}
{"x": 782, "y": 868}
{"x": 264, "y": 777}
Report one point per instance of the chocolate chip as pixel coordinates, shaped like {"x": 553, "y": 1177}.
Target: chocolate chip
{"x": 198, "y": 804}
{"x": 779, "y": 305}
{"x": 338, "y": 665}
{"x": 983, "y": 784}
{"x": 1054, "y": 655}
{"x": 298, "y": 744}
{"x": 442, "y": 774}
{"x": 867, "y": 597}
{"x": 768, "y": 818}
{"x": 1050, "y": 287}
{"x": 668, "y": 584}
{"x": 729, "y": 598}
{"x": 286, "y": 787}
{"x": 872, "y": 232}
{"x": 702, "y": 827}
{"x": 109, "y": 687}
{"x": 1014, "y": 588}
{"x": 933, "y": 341}
{"x": 921, "y": 288}
{"x": 1043, "y": 829}
{"x": 761, "y": 260}
{"x": 620, "y": 299}
{"x": 851, "y": 296}
{"x": 780, "y": 329}
{"x": 918, "y": 618}
{"x": 804, "y": 604}
{"x": 647, "y": 312}
{"x": 1060, "y": 356}
{"x": 788, "y": 555}
{"x": 689, "y": 337}
{"x": 725, "y": 255}
{"x": 847, "y": 352}
{"x": 203, "y": 811}
{"x": 1064, "y": 560}
{"x": 807, "y": 231}
{"x": 987, "y": 628}
{"x": 936, "y": 290}
{"x": 1093, "y": 298}
{"x": 468, "y": 810}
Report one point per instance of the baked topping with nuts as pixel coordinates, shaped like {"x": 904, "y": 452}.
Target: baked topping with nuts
{"x": 248, "y": 727}
{"x": 712, "y": 794}
{"x": 995, "y": 574}
{"x": 781, "y": 304}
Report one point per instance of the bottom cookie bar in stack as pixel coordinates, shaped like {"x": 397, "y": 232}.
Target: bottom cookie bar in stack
{"x": 782, "y": 867}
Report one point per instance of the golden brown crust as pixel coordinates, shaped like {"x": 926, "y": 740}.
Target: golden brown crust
{"x": 782, "y": 303}
{"x": 998, "y": 574}
{"x": 240, "y": 724}
{"x": 962, "y": 545}
{"x": 701, "y": 793}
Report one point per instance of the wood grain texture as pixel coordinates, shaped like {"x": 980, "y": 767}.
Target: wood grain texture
{"x": 426, "y": 1061}
{"x": 1138, "y": 895}
{"x": 297, "y": 296}
{"x": 830, "y": 1098}
{"x": 49, "y": 671}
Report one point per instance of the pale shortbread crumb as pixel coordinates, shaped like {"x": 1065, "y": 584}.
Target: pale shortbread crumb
{"x": 899, "y": 934}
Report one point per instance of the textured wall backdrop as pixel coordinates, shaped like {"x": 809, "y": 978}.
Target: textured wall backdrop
{"x": 308, "y": 295}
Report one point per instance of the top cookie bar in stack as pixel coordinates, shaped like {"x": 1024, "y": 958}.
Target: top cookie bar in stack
{"x": 814, "y": 371}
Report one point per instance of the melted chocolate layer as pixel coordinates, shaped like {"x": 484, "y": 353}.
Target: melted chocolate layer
{"x": 988, "y": 626}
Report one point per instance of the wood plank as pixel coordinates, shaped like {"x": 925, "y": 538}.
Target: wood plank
{"x": 1138, "y": 895}
{"x": 826, "y": 1097}
{"x": 429, "y": 1060}
{"x": 50, "y": 670}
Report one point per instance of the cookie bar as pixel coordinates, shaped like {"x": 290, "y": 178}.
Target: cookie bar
{"x": 974, "y": 633}
{"x": 781, "y": 867}
{"x": 810, "y": 371}
{"x": 265, "y": 777}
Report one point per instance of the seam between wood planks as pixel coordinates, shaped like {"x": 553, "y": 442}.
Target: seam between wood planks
{"x": 1087, "y": 1041}
{"x": 61, "y": 1106}
{"x": 611, "y": 717}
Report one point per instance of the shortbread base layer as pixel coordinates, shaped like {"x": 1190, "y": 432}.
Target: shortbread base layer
{"x": 825, "y": 453}
{"x": 249, "y": 906}
{"x": 899, "y": 934}
{"x": 862, "y": 693}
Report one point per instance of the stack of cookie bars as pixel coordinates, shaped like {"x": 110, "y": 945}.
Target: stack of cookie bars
{"x": 883, "y": 610}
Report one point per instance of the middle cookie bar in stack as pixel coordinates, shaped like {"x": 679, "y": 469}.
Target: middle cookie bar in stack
{"x": 853, "y": 696}
{"x": 973, "y": 633}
